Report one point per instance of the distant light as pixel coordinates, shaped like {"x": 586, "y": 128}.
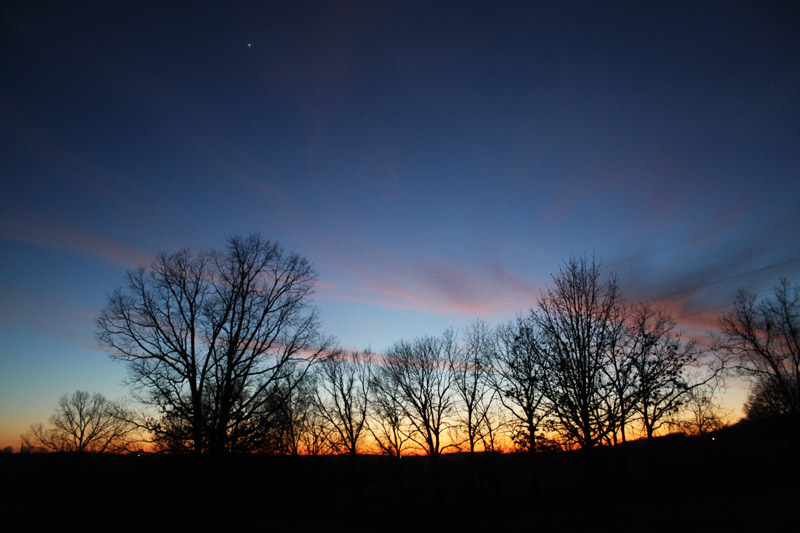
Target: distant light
{"x": 249, "y": 45}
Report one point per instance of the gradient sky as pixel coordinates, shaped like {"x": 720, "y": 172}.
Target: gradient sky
{"x": 436, "y": 161}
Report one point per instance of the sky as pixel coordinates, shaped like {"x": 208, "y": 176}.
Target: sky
{"x": 435, "y": 161}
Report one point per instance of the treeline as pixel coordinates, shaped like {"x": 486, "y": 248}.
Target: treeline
{"x": 226, "y": 354}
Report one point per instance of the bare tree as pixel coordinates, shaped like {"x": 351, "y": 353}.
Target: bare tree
{"x": 420, "y": 370}
{"x": 388, "y": 423}
{"x": 519, "y": 377}
{"x": 211, "y": 338}
{"x": 471, "y": 367}
{"x": 701, "y": 414}
{"x": 621, "y": 372}
{"x": 294, "y": 421}
{"x": 494, "y": 427}
{"x": 667, "y": 369}
{"x": 342, "y": 397}
{"x": 580, "y": 325}
{"x": 764, "y": 339}
{"x": 83, "y": 422}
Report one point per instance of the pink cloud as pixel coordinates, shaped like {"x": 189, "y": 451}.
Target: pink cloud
{"x": 391, "y": 296}
{"x": 691, "y": 322}
{"x": 47, "y": 233}
{"x": 438, "y": 288}
{"x": 326, "y": 285}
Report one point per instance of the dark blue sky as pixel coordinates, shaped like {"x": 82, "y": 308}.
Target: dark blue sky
{"x": 435, "y": 162}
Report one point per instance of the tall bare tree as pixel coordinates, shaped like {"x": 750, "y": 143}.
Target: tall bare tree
{"x": 621, "y": 372}
{"x": 420, "y": 372}
{"x": 580, "y": 324}
{"x": 667, "y": 368}
{"x": 342, "y": 397}
{"x": 315, "y": 437}
{"x": 211, "y": 338}
{"x": 519, "y": 377}
{"x": 763, "y": 337}
{"x": 293, "y": 418}
{"x": 83, "y": 422}
{"x": 471, "y": 368}
{"x": 388, "y": 423}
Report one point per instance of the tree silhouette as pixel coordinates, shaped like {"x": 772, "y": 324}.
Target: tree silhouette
{"x": 342, "y": 397}
{"x": 621, "y": 371}
{"x": 763, "y": 337}
{"x": 388, "y": 423}
{"x": 421, "y": 377}
{"x": 702, "y": 413}
{"x": 212, "y": 338}
{"x": 294, "y": 426}
{"x": 83, "y": 422}
{"x": 519, "y": 377}
{"x": 471, "y": 366}
{"x": 766, "y": 399}
{"x": 580, "y": 324}
{"x": 662, "y": 362}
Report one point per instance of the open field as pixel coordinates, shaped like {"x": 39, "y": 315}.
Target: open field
{"x": 739, "y": 480}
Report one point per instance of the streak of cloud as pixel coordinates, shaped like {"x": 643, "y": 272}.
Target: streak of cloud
{"x": 48, "y": 314}
{"x": 48, "y": 233}
{"x": 441, "y": 289}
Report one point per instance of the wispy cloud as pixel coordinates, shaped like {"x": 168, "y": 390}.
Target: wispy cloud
{"x": 688, "y": 315}
{"x": 440, "y": 288}
{"x": 393, "y": 297}
{"x": 50, "y": 314}
{"x": 48, "y": 233}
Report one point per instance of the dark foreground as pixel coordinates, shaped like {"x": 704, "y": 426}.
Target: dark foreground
{"x": 744, "y": 479}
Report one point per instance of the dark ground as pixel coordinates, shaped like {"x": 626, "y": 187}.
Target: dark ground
{"x": 746, "y": 479}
